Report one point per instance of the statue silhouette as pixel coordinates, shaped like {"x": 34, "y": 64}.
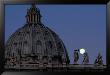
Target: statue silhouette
{"x": 98, "y": 60}
{"x": 86, "y": 58}
{"x": 76, "y": 56}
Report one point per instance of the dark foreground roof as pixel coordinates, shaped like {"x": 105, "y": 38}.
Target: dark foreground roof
{"x": 64, "y": 68}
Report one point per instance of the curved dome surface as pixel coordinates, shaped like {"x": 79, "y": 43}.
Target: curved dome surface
{"x": 34, "y": 44}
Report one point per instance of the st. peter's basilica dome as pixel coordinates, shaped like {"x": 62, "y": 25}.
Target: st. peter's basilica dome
{"x": 34, "y": 45}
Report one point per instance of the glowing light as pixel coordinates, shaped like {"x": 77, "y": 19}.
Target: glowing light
{"x": 82, "y": 51}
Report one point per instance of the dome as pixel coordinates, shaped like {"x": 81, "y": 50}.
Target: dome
{"x": 34, "y": 44}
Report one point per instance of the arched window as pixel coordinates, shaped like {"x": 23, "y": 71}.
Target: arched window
{"x": 45, "y": 52}
{"x": 38, "y": 42}
{"x": 38, "y": 32}
{"x": 19, "y": 33}
{"x": 27, "y": 32}
{"x": 25, "y": 42}
{"x": 59, "y": 45}
{"x": 46, "y": 33}
{"x": 15, "y": 43}
{"x": 34, "y": 33}
{"x": 38, "y": 46}
{"x": 18, "y": 51}
{"x": 49, "y": 47}
{"x": 49, "y": 44}
{"x": 26, "y": 47}
{"x": 26, "y": 50}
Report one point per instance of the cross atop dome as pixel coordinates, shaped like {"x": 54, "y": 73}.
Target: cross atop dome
{"x": 33, "y": 6}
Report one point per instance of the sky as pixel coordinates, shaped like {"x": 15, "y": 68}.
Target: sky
{"x": 79, "y": 26}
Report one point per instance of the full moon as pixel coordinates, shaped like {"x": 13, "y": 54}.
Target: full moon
{"x": 82, "y": 51}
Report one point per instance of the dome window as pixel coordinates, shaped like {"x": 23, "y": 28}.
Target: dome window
{"x": 37, "y": 32}
{"x": 45, "y": 52}
{"x": 18, "y": 51}
{"x": 44, "y": 38}
{"x": 50, "y": 44}
{"x": 15, "y": 43}
{"x": 27, "y": 32}
{"x": 59, "y": 45}
{"x": 25, "y": 42}
{"x": 19, "y": 33}
{"x": 46, "y": 33}
{"x": 38, "y": 42}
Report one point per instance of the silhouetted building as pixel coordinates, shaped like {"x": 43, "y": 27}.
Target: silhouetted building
{"x": 36, "y": 47}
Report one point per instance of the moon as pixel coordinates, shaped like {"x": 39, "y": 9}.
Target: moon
{"x": 82, "y": 51}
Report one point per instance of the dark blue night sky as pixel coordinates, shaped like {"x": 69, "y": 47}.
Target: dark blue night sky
{"x": 79, "y": 26}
